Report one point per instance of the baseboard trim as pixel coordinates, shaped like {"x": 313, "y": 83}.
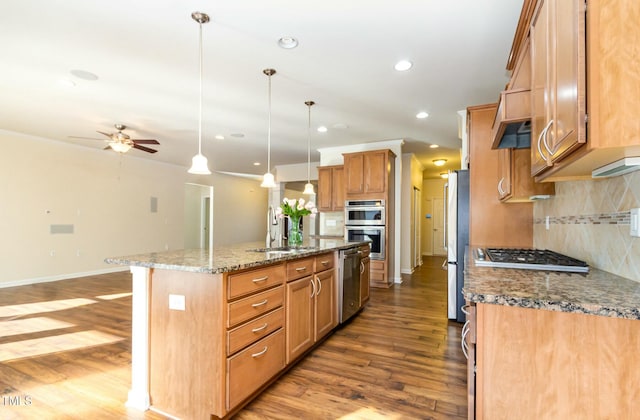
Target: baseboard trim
{"x": 47, "y": 279}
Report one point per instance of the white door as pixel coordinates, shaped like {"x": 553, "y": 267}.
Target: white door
{"x": 416, "y": 220}
{"x": 439, "y": 232}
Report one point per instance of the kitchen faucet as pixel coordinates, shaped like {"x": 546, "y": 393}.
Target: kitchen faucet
{"x": 271, "y": 220}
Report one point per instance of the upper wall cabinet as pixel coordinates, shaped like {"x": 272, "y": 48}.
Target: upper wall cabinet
{"x": 585, "y": 85}
{"x": 367, "y": 173}
{"x": 331, "y": 188}
{"x": 558, "y": 82}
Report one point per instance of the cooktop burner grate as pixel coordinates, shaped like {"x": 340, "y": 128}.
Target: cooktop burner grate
{"x": 532, "y": 259}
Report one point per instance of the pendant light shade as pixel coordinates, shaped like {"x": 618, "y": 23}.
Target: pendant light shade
{"x": 268, "y": 180}
{"x": 308, "y": 188}
{"x": 199, "y": 164}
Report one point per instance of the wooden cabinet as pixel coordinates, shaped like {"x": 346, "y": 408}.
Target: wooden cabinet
{"x": 378, "y": 273}
{"x": 367, "y": 173}
{"x": 516, "y": 185}
{"x": 491, "y": 223}
{"x": 550, "y": 364}
{"x": 331, "y": 188}
{"x": 311, "y": 307}
{"x": 558, "y": 124}
{"x": 365, "y": 275}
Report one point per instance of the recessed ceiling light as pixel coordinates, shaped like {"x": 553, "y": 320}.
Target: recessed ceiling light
{"x": 287, "y": 42}
{"x": 403, "y": 65}
{"x": 322, "y": 129}
{"x": 434, "y": 146}
{"x": 256, "y": 163}
{"x": 84, "y": 75}
{"x": 422, "y": 114}
{"x": 439, "y": 162}
{"x": 219, "y": 137}
{"x": 237, "y": 135}
{"x": 444, "y": 175}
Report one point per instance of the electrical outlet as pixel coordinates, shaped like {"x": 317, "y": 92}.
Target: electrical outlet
{"x": 546, "y": 223}
{"x": 635, "y": 222}
{"x": 177, "y": 302}
{"x": 52, "y": 253}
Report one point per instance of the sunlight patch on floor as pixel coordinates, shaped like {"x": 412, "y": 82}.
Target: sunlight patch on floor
{"x": 369, "y": 414}
{"x": 32, "y": 325}
{"x": 55, "y": 344}
{"x": 114, "y": 296}
{"x": 40, "y": 307}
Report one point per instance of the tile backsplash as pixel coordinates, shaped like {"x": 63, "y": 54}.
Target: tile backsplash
{"x": 589, "y": 220}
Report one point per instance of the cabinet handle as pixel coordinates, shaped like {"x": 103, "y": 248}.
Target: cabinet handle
{"x": 258, "y": 280}
{"x": 465, "y": 309}
{"x": 255, "y": 305}
{"x": 255, "y": 330}
{"x": 325, "y": 262}
{"x": 542, "y": 136}
{"x": 313, "y": 288}
{"x": 260, "y": 353}
{"x": 500, "y": 190}
{"x": 546, "y": 144}
{"x": 319, "y": 286}
{"x": 361, "y": 267}
{"x": 300, "y": 269}
{"x": 463, "y": 342}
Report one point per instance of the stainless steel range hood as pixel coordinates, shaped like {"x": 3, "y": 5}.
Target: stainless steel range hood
{"x": 619, "y": 167}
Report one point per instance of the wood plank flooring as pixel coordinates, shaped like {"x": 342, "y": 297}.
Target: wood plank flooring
{"x": 65, "y": 353}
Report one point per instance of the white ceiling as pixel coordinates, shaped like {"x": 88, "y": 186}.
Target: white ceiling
{"x": 145, "y": 54}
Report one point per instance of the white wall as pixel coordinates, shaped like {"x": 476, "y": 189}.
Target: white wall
{"x": 411, "y": 177}
{"x": 106, "y": 197}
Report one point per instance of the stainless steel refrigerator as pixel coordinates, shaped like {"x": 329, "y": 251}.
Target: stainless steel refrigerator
{"x": 457, "y": 225}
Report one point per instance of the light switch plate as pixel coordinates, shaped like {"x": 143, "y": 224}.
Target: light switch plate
{"x": 177, "y": 302}
{"x": 635, "y": 222}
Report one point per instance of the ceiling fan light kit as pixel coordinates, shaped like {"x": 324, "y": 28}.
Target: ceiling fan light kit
{"x": 199, "y": 163}
{"x": 268, "y": 180}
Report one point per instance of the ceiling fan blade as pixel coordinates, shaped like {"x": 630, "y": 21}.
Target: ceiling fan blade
{"x": 143, "y": 141}
{"x": 105, "y": 134}
{"x": 144, "y": 149}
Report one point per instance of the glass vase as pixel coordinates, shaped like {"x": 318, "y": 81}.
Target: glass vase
{"x": 295, "y": 234}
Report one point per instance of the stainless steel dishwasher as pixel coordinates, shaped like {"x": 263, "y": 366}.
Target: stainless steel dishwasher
{"x": 349, "y": 283}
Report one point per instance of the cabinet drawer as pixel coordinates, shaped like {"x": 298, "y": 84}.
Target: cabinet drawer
{"x": 254, "y": 305}
{"x": 246, "y": 334}
{"x": 254, "y": 280}
{"x": 377, "y": 277}
{"x": 253, "y": 367}
{"x": 324, "y": 262}
{"x": 299, "y": 268}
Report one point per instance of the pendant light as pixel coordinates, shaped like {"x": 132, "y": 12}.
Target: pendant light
{"x": 268, "y": 181}
{"x": 308, "y": 188}
{"x": 199, "y": 165}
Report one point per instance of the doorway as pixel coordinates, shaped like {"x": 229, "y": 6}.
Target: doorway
{"x": 416, "y": 218}
{"x": 439, "y": 232}
{"x": 198, "y": 216}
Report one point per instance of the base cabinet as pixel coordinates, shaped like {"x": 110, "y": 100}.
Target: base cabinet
{"x": 365, "y": 275}
{"x": 545, "y": 364}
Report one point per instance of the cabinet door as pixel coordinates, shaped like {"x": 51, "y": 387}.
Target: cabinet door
{"x": 337, "y": 193}
{"x": 354, "y": 173}
{"x": 504, "y": 171}
{"x": 540, "y": 85}
{"x": 375, "y": 172}
{"x": 365, "y": 267}
{"x": 325, "y": 311}
{"x": 325, "y": 189}
{"x": 300, "y": 311}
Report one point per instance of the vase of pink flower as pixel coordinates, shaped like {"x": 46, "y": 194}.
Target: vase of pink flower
{"x": 294, "y": 209}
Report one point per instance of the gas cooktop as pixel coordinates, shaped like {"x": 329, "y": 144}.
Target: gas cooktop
{"x": 528, "y": 259}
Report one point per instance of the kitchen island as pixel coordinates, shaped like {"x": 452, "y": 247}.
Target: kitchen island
{"x": 210, "y": 330}
{"x": 550, "y": 345}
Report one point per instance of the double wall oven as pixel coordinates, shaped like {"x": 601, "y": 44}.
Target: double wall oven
{"x": 364, "y": 220}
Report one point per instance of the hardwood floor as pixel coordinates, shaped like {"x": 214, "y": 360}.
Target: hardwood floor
{"x": 65, "y": 354}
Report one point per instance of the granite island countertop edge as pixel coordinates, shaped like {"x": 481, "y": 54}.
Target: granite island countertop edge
{"x": 226, "y": 258}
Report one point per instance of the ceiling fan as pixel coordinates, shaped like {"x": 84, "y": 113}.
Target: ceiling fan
{"x": 121, "y": 142}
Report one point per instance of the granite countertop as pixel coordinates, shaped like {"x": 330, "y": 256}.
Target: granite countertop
{"x": 598, "y": 292}
{"x": 228, "y": 258}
